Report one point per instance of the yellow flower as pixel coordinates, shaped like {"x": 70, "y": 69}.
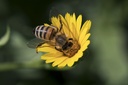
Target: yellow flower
{"x": 72, "y": 29}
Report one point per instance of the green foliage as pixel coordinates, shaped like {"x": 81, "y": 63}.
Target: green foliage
{"x": 4, "y": 39}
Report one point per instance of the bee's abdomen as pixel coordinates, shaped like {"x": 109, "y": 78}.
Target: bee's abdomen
{"x": 45, "y": 32}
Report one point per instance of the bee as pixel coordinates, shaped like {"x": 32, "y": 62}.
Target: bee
{"x": 55, "y": 37}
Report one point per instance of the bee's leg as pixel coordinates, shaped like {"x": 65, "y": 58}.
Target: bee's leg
{"x": 58, "y": 48}
{"x": 61, "y": 25}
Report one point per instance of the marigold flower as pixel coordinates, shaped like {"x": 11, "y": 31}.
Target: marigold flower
{"x": 78, "y": 32}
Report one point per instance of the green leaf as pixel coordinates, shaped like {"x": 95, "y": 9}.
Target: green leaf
{"x": 5, "y": 38}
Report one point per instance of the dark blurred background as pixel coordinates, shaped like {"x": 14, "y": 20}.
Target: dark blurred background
{"x": 104, "y": 63}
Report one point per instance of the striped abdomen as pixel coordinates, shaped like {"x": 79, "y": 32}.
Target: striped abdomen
{"x": 45, "y": 32}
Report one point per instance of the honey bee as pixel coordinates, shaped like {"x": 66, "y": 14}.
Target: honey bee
{"x": 55, "y": 37}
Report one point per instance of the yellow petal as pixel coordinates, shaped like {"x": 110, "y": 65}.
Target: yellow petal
{"x": 51, "y": 55}
{"x": 51, "y": 60}
{"x": 64, "y": 63}
{"x": 46, "y": 57}
{"x": 68, "y": 19}
{"x": 85, "y": 45}
{"x": 45, "y": 24}
{"x": 59, "y": 60}
{"x": 46, "y": 49}
{"x": 77, "y": 55}
{"x": 85, "y": 28}
{"x": 55, "y": 22}
{"x": 71, "y": 23}
{"x": 75, "y": 58}
{"x": 74, "y": 27}
{"x": 83, "y": 37}
{"x": 79, "y": 22}
{"x": 74, "y": 31}
{"x": 74, "y": 20}
{"x": 65, "y": 27}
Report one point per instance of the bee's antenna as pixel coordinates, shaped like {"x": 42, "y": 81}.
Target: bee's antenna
{"x": 60, "y": 23}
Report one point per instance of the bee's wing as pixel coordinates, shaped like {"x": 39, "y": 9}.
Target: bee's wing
{"x": 35, "y": 42}
{"x": 53, "y": 13}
